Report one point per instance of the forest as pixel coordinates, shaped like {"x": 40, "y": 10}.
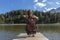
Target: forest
{"x": 16, "y": 17}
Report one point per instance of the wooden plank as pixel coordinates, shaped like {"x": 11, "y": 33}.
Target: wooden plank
{"x": 38, "y": 36}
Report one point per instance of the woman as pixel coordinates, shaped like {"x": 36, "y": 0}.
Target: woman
{"x": 31, "y": 23}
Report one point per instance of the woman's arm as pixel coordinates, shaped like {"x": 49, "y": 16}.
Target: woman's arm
{"x": 24, "y": 16}
{"x": 35, "y": 17}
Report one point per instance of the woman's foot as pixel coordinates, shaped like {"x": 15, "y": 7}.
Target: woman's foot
{"x": 33, "y": 35}
{"x": 28, "y": 35}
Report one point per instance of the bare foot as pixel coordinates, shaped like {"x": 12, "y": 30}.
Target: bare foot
{"x": 33, "y": 35}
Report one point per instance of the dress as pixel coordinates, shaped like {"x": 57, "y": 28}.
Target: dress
{"x": 31, "y": 26}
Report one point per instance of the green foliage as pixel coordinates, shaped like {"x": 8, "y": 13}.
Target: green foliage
{"x": 15, "y": 17}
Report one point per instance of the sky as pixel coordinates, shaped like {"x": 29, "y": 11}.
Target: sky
{"x": 41, "y": 5}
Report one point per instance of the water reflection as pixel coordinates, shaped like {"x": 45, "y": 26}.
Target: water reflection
{"x": 51, "y": 35}
{"x": 10, "y": 32}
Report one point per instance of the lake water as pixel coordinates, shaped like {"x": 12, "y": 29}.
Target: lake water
{"x": 52, "y": 32}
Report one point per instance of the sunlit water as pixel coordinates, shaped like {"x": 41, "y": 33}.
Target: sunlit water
{"x": 10, "y": 32}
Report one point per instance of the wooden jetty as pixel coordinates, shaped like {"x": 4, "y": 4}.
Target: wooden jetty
{"x": 38, "y": 36}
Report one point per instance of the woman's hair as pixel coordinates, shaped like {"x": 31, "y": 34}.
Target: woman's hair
{"x": 30, "y": 12}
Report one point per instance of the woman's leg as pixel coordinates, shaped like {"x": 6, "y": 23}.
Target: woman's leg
{"x": 34, "y": 31}
{"x": 27, "y": 31}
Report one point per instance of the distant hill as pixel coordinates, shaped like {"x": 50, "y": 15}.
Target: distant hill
{"x": 55, "y": 10}
{"x": 16, "y": 17}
